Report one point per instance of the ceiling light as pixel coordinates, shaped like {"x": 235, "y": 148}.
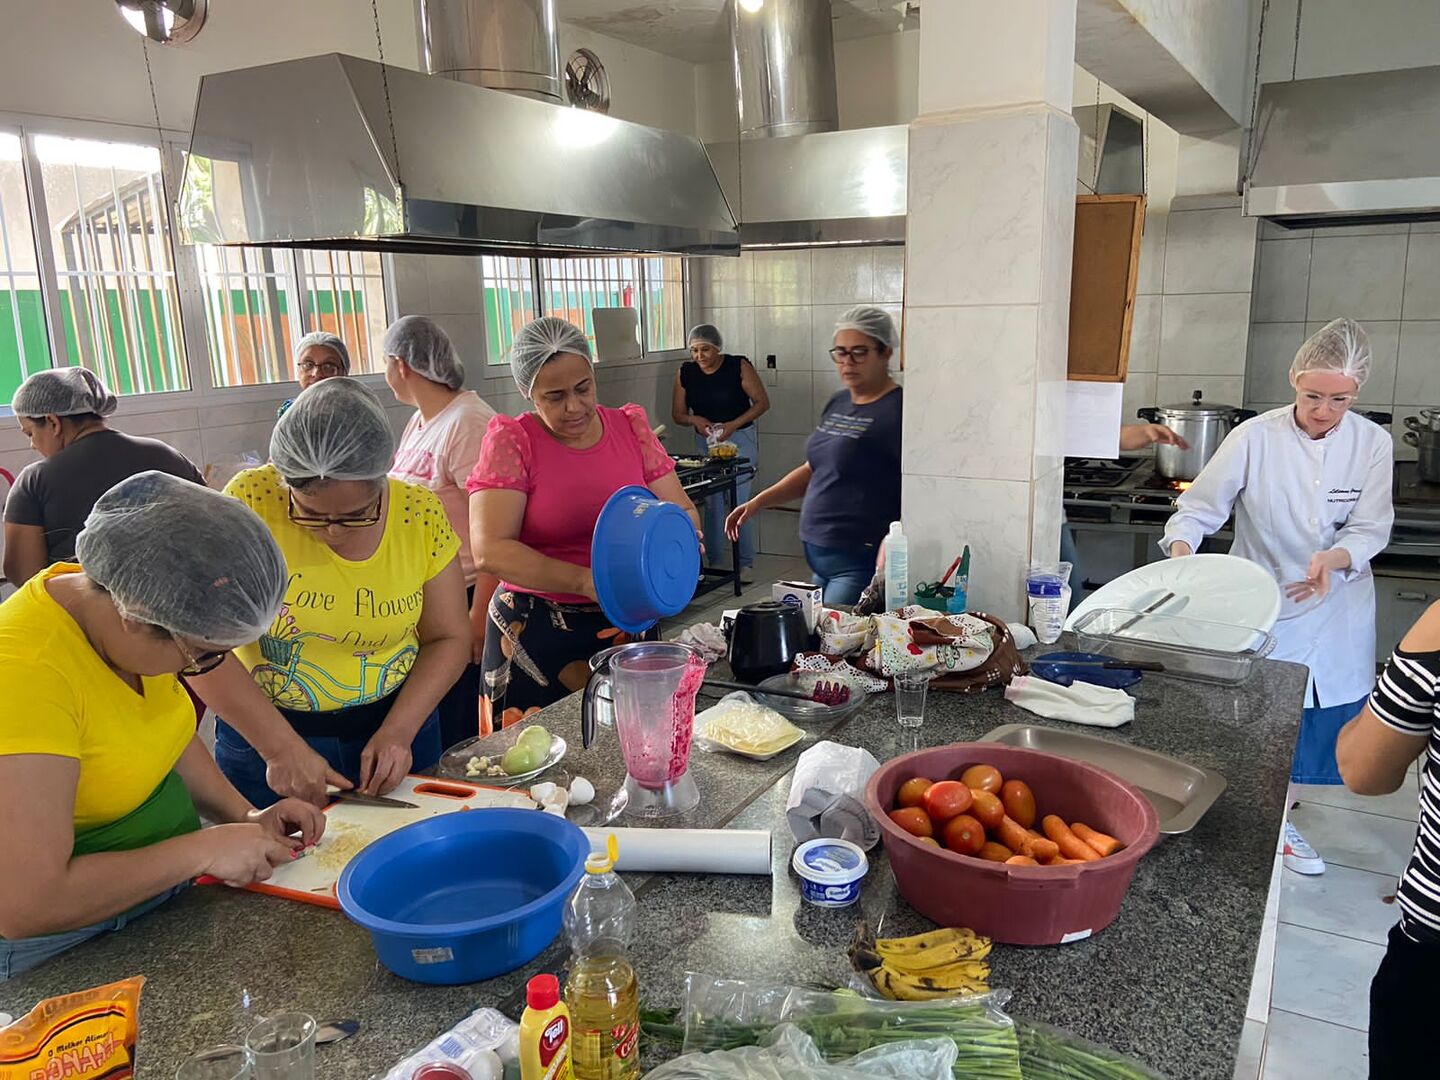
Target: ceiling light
{"x": 752, "y": 6}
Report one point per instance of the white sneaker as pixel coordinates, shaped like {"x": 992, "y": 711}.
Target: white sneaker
{"x": 1300, "y": 856}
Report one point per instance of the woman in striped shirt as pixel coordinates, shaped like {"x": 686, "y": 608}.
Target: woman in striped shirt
{"x": 1374, "y": 751}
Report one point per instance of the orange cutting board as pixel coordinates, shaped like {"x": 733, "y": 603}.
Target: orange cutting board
{"x": 350, "y": 827}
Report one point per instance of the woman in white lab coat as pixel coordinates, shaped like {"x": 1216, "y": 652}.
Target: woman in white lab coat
{"x": 1309, "y": 486}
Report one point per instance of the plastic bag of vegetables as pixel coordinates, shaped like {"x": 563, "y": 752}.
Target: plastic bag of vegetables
{"x": 722, "y": 1014}
{"x": 1047, "y": 1053}
{"x": 790, "y": 1054}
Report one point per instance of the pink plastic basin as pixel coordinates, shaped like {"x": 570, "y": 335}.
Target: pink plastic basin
{"x": 1020, "y": 905}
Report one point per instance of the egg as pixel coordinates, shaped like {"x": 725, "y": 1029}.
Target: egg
{"x": 581, "y": 791}
{"x": 552, "y": 808}
{"x": 542, "y": 793}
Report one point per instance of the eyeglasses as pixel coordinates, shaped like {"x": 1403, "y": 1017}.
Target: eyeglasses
{"x": 350, "y": 521}
{"x": 328, "y": 368}
{"x": 857, "y": 355}
{"x": 198, "y": 665}
{"x": 1339, "y": 401}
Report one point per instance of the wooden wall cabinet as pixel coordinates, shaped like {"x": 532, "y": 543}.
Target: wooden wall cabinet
{"x": 1102, "y": 285}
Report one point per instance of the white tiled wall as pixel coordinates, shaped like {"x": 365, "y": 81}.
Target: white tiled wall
{"x": 1386, "y": 276}
{"x": 1192, "y": 305}
{"x": 785, "y": 304}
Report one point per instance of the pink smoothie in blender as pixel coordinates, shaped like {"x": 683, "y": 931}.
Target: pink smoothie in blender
{"x": 654, "y": 686}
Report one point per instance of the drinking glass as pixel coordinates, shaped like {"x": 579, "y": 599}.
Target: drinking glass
{"x": 910, "y": 688}
{"x": 282, "y": 1047}
{"x": 217, "y": 1063}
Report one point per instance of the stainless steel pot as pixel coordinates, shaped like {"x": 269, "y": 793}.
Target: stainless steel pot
{"x": 1202, "y": 425}
{"x": 1426, "y": 442}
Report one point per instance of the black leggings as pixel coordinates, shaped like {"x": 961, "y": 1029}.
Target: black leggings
{"x": 1402, "y": 1008}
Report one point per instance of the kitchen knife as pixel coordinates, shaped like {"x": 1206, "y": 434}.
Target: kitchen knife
{"x": 361, "y": 799}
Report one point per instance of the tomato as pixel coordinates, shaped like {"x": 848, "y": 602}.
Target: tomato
{"x": 964, "y": 835}
{"x": 912, "y": 792}
{"x": 946, "y": 799}
{"x": 1019, "y": 801}
{"x": 929, "y": 840}
{"x": 995, "y": 852}
{"x": 913, "y": 820}
{"x": 982, "y": 778}
{"x": 987, "y": 808}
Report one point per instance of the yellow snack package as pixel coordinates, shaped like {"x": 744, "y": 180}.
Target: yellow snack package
{"x": 90, "y": 1034}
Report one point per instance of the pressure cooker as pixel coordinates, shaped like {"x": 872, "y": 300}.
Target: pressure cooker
{"x": 1202, "y": 424}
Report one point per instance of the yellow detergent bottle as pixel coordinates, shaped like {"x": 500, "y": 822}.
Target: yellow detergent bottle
{"x": 545, "y": 1032}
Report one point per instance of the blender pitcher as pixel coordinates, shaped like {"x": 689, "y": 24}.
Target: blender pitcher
{"x": 653, "y": 685}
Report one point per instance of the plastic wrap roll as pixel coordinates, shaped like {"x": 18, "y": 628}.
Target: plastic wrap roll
{"x": 688, "y": 851}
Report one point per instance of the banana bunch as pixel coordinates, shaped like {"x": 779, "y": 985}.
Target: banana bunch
{"x": 943, "y": 963}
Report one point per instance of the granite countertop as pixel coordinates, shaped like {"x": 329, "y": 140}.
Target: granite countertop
{"x": 1167, "y": 982}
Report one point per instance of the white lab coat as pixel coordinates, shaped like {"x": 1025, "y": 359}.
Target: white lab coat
{"x": 1293, "y": 496}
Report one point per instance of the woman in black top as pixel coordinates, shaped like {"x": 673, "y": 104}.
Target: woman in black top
{"x": 714, "y": 390}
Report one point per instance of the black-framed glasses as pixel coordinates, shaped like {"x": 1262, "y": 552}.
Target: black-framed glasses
{"x": 328, "y": 368}
{"x": 857, "y": 355}
{"x": 198, "y": 665}
{"x": 348, "y": 521}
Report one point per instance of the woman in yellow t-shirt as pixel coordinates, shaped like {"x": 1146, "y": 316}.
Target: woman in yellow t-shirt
{"x": 101, "y": 773}
{"x": 374, "y": 628}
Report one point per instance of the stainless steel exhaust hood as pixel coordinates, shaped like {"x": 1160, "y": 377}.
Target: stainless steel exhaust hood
{"x": 332, "y": 151}
{"x": 1117, "y": 140}
{"x": 1356, "y": 148}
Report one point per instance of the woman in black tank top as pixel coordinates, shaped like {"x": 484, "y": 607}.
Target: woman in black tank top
{"x": 715, "y": 390}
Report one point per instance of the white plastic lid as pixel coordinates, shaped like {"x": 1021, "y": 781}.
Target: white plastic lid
{"x": 827, "y": 861}
{"x": 895, "y": 529}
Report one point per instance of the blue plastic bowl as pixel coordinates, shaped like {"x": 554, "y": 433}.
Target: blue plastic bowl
{"x": 465, "y": 896}
{"x": 645, "y": 558}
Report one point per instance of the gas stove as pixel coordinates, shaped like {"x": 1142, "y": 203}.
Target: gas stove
{"x": 1118, "y": 490}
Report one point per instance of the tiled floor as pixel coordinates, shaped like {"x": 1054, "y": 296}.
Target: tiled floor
{"x": 1331, "y": 935}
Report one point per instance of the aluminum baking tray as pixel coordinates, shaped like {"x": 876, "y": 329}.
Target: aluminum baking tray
{"x": 1179, "y": 791}
{"x": 1188, "y": 648}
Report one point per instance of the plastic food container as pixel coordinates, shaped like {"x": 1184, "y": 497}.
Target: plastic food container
{"x": 1189, "y": 648}
{"x": 1020, "y": 905}
{"x": 645, "y": 558}
{"x": 464, "y": 897}
{"x": 830, "y": 871}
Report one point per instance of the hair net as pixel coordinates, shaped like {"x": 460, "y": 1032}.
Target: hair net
{"x": 422, "y": 344}
{"x": 1340, "y": 347}
{"x": 182, "y": 557}
{"x": 705, "y": 332}
{"x": 63, "y": 392}
{"x": 872, "y": 322}
{"x": 539, "y": 340}
{"x": 336, "y": 430}
{"x": 331, "y": 342}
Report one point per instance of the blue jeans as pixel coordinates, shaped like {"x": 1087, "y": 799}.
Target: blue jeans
{"x": 842, "y": 572}
{"x": 245, "y": 768}
{"x": 22, "y": 954}
{"x": 712, "y": 514}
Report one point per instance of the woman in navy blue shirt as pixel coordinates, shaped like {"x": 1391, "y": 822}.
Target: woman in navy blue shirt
{"x": 851, "y": 477}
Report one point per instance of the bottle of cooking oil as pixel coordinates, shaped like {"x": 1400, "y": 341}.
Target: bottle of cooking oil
{"x": 601, "y": 991}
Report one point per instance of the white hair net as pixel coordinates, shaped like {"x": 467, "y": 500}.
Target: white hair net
{"x": 705, "y": 332}
{"x": 177, "y": 555}
{"x": 1340, "y": 347}
{"x": 336, "y": 430}
{"x": 63, "y": 392}
{"x": 538, "y": 341}
{"x": 329, "y": 341}
{"x": 425, "y": 346}
{"x": 872, "y": 322}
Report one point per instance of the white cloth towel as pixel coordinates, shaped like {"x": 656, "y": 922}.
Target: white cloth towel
{"x": 1079, "y": 703}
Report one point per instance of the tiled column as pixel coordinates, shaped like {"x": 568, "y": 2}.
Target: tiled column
{"x": 989, "y": 239}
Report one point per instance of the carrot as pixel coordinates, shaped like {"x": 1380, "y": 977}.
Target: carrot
{"x": 1071, "y": 846}
{"x": 995, "y": 852}
{"x": 1104, "y": 845}
{"x": 1020, "y": 860}
{"x": 1013, "y": 835}
{"x": 1044, "y": 851}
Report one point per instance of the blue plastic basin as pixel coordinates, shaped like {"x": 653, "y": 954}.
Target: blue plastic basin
{"x": 465, "y": 896}
{"x": 645, "y": 558}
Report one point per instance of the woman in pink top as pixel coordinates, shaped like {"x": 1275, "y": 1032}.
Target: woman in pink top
{"x": 534, "y": 497}
{"x": 438, "y": 450}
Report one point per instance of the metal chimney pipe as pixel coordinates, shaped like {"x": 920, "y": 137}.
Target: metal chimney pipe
{"x": 510, "y": 45}
{"x": 784, "y": 55}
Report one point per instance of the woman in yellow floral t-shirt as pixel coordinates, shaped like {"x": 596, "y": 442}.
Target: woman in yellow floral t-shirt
{"x": 374, "y": 627}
